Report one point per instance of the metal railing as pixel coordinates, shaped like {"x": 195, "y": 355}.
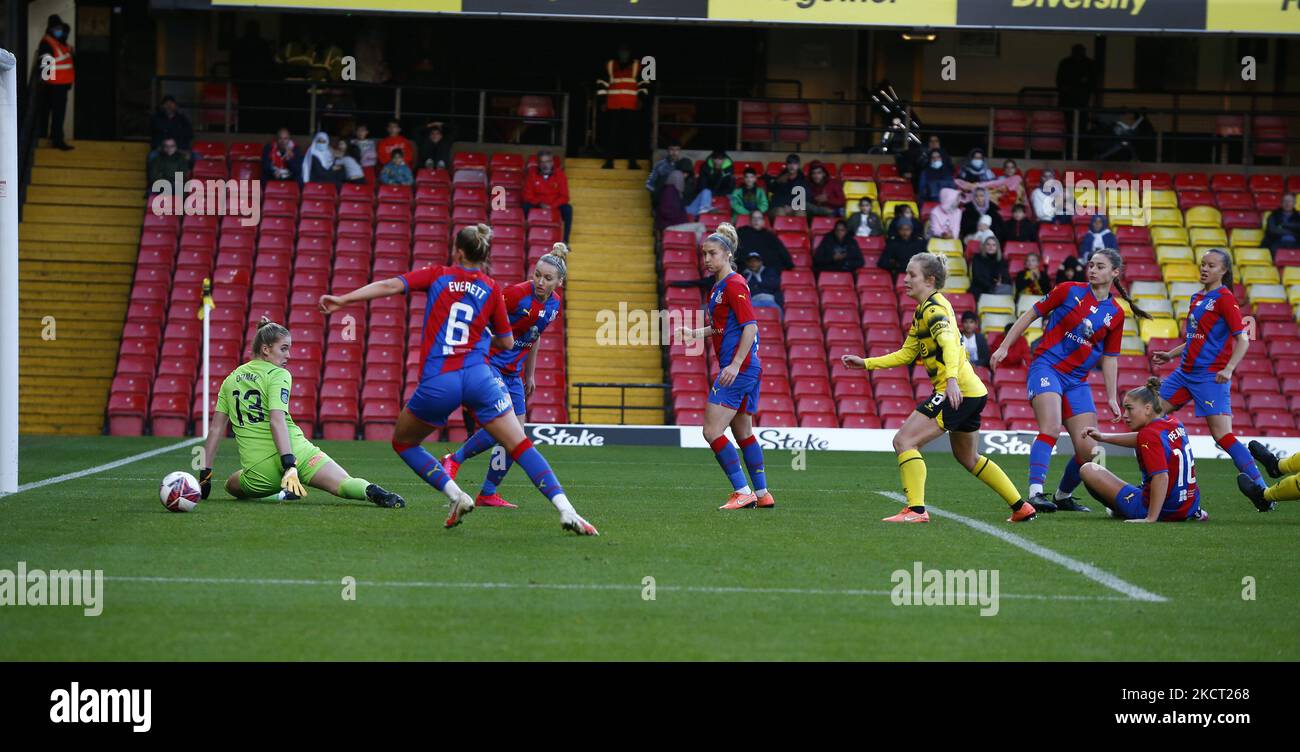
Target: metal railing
{"x": 221, "y": 105}
{"x": 579, "y": 405}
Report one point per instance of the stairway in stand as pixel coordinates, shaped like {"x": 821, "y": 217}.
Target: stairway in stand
{"x": 76, "y": 259}
{"x": 613, "y": 263}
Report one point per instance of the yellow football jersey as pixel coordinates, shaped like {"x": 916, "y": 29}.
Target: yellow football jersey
{"x": 933, "y": 337}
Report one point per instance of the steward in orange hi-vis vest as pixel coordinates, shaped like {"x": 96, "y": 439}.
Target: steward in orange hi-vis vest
{"x": 622, "y": 85}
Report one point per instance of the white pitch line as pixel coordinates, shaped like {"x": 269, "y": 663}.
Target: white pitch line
{"x": 1074, "y": 565}
{"x": 565, "y": 586}
{"x": 105, "y": 466}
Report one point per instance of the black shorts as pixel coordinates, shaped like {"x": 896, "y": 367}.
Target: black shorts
{"x": 964, "y": 419}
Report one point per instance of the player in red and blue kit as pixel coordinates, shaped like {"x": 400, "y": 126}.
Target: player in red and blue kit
{"x": 463, "y": 302}
{"x": 1216, "y": 342}
{"x": 733, "y": 397}
{"x": 531, "y": 306}
{"x": 1085, "y": 325}
{"x": 1168, "y": 492}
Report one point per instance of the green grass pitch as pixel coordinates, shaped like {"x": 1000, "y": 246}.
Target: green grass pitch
{"x": 808, "y": 580}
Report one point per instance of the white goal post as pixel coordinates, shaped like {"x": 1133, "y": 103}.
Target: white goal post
{"x": 8, "y": 273}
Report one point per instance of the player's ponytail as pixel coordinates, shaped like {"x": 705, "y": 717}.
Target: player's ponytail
{"x": 556, "y": 258}
{"x": 933, "y": 265}
{"x": 1117, "y": 262}
{"x": 1227, "y": 266}
{"x": 1149, "y": 394}
{"x": 475, "y": 242}
{"x": 726, "y": 237}
{"x": 268, "y": 333}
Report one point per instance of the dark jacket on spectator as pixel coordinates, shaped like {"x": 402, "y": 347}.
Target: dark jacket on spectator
{"x": 918, "y": 229}
{"x": 873, "y": 223}
{"x": 1027, "y": 285}
{"x": 933, "y": 180}
{"x": 1023, "y": 231}
{"x": 1279, "y": 226}
{"x": 981, "y": 348}
{"x": 162, "y": 128}
{"x": 765, "y": 280}
{"x": 970, "y": 218}
{"x": 293, "y": 163}
{"x": 720, "y": 182}
{"x": 824, "y": 259}
{"x": 435, "y": 153}
{"x": 782, "y": 188}
{"x": 163, "y": 167}
{"x": 898, "y": 252}
{"x": 671, "y": 209}
{"x": 775, "y": 255}
{"x": 986, "y": 273}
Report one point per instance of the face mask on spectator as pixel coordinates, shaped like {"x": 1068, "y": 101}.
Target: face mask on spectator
{"x": 977, "y": 164}
{"x": 936, "y": 164}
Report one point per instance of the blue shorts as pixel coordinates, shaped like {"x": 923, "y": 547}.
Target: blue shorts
{"x": 1131, "y": 505}
{"x": 742, "y": 395}
{"x": 1076, "y": 396}
{"x": 1209, "y": 396}
{"x": 515, "y": 387}
{"x": 479, "y": 388}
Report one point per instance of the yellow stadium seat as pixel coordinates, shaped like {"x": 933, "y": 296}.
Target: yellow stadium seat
{"x": 1166, "y": 218}
{"x": 1204, "y": 216}
{"x": 1291, "y": 275}
{"x": 1182, "y": 306}
{"x": 890, "y": 206}
{"x": 1149, "y": 290}
{"x": 1248, "y": 237}
{"x": 950, "y": 246}
{"x": 856, "y": 189}
{"x": 1163, "y": 328}
{"x": 1252, "y": 257}
{"x": 1174, "y": 254}
{"x": 1186, "y": 272}
{"x": 1265, "y": 293}
{"x": 1158, "y": 307}
{"x": 995, "y": 322}
{"x": 957, "y": 283}
{"x": 1133, "y": 346}
{"x": 1183, "y": 290}
{"x": 1130, "y": 322}
{"x": 990, "y": 303}
{"x": 957, "y": 265}
{"x": 1259, "y": 275}
{"x": 1292, "y": 293}
{"x": 1024, "y": 303}
{"x": 1214, "y": 236}
{"x": 1163, "y": 199}
{"x": 1124, "y": 220}
{"x": 1168, "y": 236}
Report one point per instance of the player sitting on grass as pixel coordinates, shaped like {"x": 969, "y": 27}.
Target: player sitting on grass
{"x": 1287, "y": 489}
{"x": 275, "y": 458}
{"x": 959, "y": 395}
{"x": 1168, "y": 492}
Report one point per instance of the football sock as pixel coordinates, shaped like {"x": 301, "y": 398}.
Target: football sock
{"x": 1287, "y": 489}
{"x": 1290, "y": 464}
{"x": 480, "y": 442}
{"x": 427, "y": 467}
{"x": 1071, "y": 479}
{"x": 912, "y": 470}
{"x": 727, "y": 457}
{"x": 498, "y": 466}
{"x": 353, "y": 488}
{"x": 1040, "y": 456}
{"x": 539, "y": 470}
{"x": 995, "y": 478}
{"x": 1241, "y": 457}
{"x": 753, "y": 453}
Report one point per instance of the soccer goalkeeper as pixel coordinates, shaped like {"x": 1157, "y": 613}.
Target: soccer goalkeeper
{"x": 275, "y": 459}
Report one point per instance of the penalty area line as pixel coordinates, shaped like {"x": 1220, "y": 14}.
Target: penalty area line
{"x": 101, "y": 468}
{"x": 1093, "y": 573}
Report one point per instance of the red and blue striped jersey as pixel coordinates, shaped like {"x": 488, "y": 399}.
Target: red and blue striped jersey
{"x": 462, "y": 304}
{"x": 1162, "y": 448}
{"x": 529, "y": 317}
{"x": 1213, "y": 320}
{"x": 1080, "y": 329}
{"x": 729, "y": 311}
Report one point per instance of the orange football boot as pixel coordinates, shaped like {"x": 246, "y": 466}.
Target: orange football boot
{"x": 739, "y": 500}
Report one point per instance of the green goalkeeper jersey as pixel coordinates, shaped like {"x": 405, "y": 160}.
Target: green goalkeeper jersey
{"x": 248, "y": 395}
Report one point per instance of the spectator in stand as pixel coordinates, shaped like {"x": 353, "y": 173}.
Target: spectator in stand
{"x": 1076, "y": 78}
{"x": 1097, "y": 237}
{"x": 1011, "y": 182}
{"x": 903, "y": 216}
{"x": 169, "y": 122}
{"x": 1070, "y": 270}
{"x": 673, "y": 160}
{"x": 396, "y": 172}
{"x": 1018, "y": 353}
{"x": 900, "y": 249}
{"x": 977, "y": 346}
{"x": 394, "y": 142}
{"x": 945, "y": 219}
{"x": 167, "y": 163}
{"x": 1282, "y": 230}
{"x": 827, "y": 193}
{"x": 671, "y": 212}
{"x": 55, "y": 73}
{"x": 346, "y": 167}
{"x": 865, "y": 222}
{"x": 936, "y": 177}
{"x": 364, "y": 149}
{"x": 980, "y": 206}
{"x": 764, "y": 283}
{"x": 976, "y": 170}
{"x": 435, "y": 149}
{"x": 988, "y": 270}
{"x": 908, "y": 160}
{"x": 749, "y": 197}
{"x": 926, "y": 155}
{"x": 1044, "y": 200}
{"x": 838, "y": 251}
{"x": 983, "y": 229}
{"x": 759, "y": 237}
{"x": 1031, "y": 280}
{"x": 717, "y": 178}
{"x": 547, "y": 187}
{"x": 318, "y": 162}
{"x": 280, "y": 160}
{"x": 788, "y": 188}
{"x": 1019, "y": 228}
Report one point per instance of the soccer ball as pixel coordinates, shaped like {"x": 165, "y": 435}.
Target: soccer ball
{"x": 179, "y": 492}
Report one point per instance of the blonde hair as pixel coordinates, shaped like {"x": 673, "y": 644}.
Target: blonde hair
{"x": 268, "y": 333}
{"x": 556, "y": 258}
{"x": 475, "y": 242}
{"x": 933, "y": 265}
{"x": 1149, "y": 394}
{"x": 725, "y": 236}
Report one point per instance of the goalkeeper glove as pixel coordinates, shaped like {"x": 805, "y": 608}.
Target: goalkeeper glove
{"x": 205, "y": 482}
{"x": 289, "y": 481}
